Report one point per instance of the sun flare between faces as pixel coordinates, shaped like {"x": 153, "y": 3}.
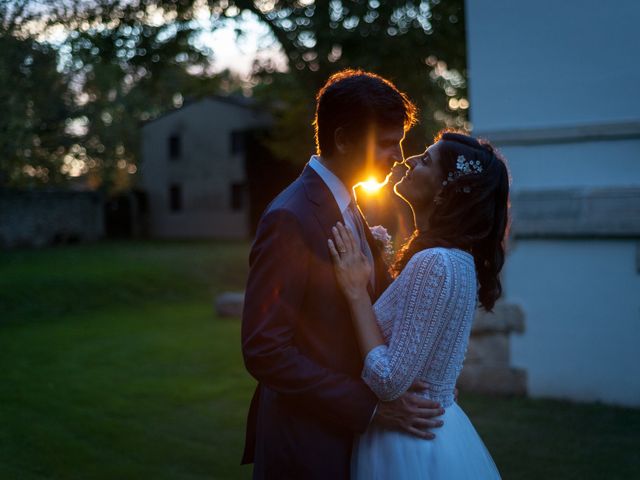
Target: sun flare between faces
{"x": 372, "y": 186}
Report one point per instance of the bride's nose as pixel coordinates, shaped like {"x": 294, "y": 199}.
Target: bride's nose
{"x": 410, "y": 163}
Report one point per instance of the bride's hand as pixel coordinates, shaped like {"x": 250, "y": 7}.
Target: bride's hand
{"x": 352, "y": 267}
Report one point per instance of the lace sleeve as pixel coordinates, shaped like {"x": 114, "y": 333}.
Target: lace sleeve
{"x": 390, "y": 370}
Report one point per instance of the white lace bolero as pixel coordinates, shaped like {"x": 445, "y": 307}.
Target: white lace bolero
{"x": 425, "y": 316}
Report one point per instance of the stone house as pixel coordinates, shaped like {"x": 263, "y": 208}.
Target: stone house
{"x": 193, "y": 170}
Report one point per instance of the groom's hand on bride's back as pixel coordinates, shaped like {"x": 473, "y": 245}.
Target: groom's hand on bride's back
{"x": 410, "y": 412}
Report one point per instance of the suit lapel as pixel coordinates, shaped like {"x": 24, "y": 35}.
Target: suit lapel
{"x": 325, "y": 209}
{"x": 328, "y": 213}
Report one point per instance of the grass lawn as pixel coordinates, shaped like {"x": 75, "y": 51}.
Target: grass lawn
{"x": 114, "y": 366}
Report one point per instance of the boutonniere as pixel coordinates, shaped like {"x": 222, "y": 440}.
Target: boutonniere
{"x": 383, "y": 239}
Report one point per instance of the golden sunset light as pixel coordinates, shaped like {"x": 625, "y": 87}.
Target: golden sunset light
{"x": 371, "y": 185}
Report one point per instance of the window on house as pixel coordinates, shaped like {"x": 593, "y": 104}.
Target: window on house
{"x": 175, "y": 147}
{"x": 175, "y": 198}
{"x": 237, "y": 196}
{"x": 237, "y": 142}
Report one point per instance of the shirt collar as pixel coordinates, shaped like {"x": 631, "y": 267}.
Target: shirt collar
{"x": 338, "y": 189}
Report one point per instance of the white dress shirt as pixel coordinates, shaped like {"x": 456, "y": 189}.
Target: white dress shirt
{"x": 343, "y": 198}
{"x": 341, "y": 194}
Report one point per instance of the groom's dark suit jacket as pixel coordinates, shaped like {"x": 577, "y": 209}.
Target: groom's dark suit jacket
{"x": 299, "y": 343}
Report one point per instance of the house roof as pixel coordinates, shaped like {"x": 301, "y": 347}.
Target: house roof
{"x": 235, "y": 100}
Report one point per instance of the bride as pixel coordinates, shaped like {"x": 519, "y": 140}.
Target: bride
{"x": 419, "y": 328}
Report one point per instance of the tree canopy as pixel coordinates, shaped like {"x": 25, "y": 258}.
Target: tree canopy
{"x": 74, "y": 102}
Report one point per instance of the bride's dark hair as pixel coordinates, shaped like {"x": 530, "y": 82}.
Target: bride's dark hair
{"x": 470, "y": 213}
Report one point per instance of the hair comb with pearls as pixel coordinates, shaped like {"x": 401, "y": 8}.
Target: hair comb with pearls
{"x": 463, "y": 167}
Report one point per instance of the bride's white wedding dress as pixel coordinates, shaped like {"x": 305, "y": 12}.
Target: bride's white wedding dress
{"x": 425, "y": 316}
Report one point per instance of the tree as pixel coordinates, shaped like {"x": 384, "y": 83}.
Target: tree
{"x": 133, "y": 66}
{"x": 130, "y": 61}
{"x": 76, "y": 107}
{"x": 35, "y": 104}
{"x": 83, "y": 100}
{"x": 420, "y": 45}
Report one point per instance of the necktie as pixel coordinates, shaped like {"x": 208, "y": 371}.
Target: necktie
{"x": 357, "y": 221}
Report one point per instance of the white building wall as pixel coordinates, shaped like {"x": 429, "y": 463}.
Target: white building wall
{"x": 581, "y": 299}
{"x": 557, "y": 87}
{"x": 580, "y": 164}
{"x": 552, "y": 63}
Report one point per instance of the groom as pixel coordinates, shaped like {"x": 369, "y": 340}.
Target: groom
{"x": 297, "y": 336}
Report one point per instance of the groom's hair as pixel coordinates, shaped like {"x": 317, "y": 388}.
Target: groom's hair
{"x": 354, "y": 100}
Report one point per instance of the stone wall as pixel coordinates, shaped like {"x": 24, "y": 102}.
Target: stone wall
{"x": 487, "y": 366}
{"x": 39, "y": 218}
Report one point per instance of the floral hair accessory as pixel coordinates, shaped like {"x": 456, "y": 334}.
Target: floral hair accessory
{"x": 463, "y": 167}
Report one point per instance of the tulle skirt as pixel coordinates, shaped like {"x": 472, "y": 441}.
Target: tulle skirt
{"x": 457, "y": 453}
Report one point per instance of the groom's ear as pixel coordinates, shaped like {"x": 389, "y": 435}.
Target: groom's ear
{"x": 342, "y": 140}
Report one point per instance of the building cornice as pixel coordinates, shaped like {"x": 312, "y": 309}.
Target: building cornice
{"x": 563, "y": 134}
{"x": 577, "y": 213}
